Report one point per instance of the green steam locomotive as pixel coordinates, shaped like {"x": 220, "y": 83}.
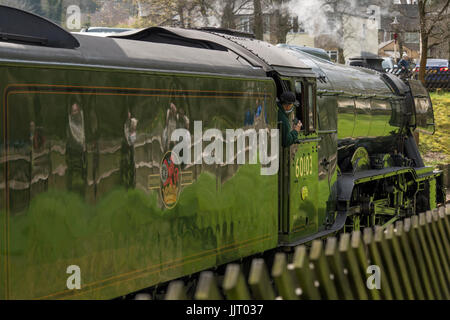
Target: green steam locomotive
{"x": 132, "y": 160}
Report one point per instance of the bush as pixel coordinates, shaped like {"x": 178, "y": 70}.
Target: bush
{"x": 436, "y": 148}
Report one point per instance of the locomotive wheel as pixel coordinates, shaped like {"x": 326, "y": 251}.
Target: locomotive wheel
{"x": 360, "y": 160}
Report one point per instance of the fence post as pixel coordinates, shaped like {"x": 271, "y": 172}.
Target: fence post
{"x": 176, "y": 291}
{"x": 362, "y": 256}
{"x": 411, "y": 265}
{"x": 306, "y": 276}
{"x": 445, "y": 212}
{"x": 416, "y": 249}
{"x": 326, "y": 282}
{"x": 207, "y": 287}
{"x": 388, "y": 262}
{"x": 416, "y": 234}
{"x": 432, "y": 221}
{"x": 424, "y": 223}
{"x": 399, "y": 261}
{"x": 439, "y": 219}
{"x": 234, "y": 283}
{"x": 259, "y": 281}
{"x": 356, "y": 273}
{"x": 375, "y": 258}
{"x": 447, "y": 220}
{"x": 337, "y": 269}
{"x": 284, "y": 278}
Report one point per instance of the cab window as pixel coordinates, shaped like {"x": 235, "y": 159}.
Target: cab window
{"x": 306, "y": 112}
{"x": 300, "y": 110}
{"x": 311, "y": 107}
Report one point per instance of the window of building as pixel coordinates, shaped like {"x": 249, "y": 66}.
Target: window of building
{"x": 363, "y": 31}
{"x": 244, "y": 24}
{"x": 333, "y": 54}
{"x": 386, "y": 36}
{"x": 297, "y": 26}
{"x": 412, "y": 37}
{"x": 332, "y": 23}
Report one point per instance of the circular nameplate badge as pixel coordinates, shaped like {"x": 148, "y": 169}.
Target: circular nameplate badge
{"x": 170, "y": 173}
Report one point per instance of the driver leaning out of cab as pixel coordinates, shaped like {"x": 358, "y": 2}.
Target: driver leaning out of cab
{"x": 285, "y": 107}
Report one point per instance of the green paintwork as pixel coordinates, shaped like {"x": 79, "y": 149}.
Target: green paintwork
{"x": 92, "y": 210}
{"x": 303, "y": 212}
{"x": 83, "y": 185}
{"x": 300, "y": 165}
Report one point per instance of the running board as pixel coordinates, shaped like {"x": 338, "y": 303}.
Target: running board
{"x": 338, "y": 225}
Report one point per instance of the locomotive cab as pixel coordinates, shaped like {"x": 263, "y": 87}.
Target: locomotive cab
{"x": 299, "y": 169}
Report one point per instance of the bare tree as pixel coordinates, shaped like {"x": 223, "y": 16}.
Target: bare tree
{"x": 25, "y": 5}
{"x": 230, "y": 9}
{"x": 228, "y": 15}
{"x": 254, "y": 12}
{"x": 206, "y": 8}
{"x": 439, "y": 38}
{"x": 111, "y": 13}
{"x": 338, "y": 10}
{"x": 156, "y": 12}
{"x": 193, "y": 13}
{"x": 281, "y": 21}
{"x": 181, "y": 13}
{"x": 431, "y": 14}
{"x": 51, "y": 9}
{"x": 258, "y": 23}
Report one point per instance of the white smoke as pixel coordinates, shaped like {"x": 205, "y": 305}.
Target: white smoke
{"x": 314, "y": 16}
{"x": 351, "y": 24}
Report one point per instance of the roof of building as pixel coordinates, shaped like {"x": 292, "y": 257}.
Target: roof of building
{"x": 410, "y": 46}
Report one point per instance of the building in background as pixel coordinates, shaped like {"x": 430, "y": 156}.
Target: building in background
{"x": 244, "y": 22}
{"x": 358, "y": 36}
{"x": 391, "y": 49}
{"x": 298, "y": 35}
{"x": 399, "y": 31}
{"x": 403, "y": 22}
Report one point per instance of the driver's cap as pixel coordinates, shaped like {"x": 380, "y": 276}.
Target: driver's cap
{"x": 287, "y": 97}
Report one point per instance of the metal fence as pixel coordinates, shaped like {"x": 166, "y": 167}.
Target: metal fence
{"x": 434, "y": 79}
{"x": 410, "y": 259}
